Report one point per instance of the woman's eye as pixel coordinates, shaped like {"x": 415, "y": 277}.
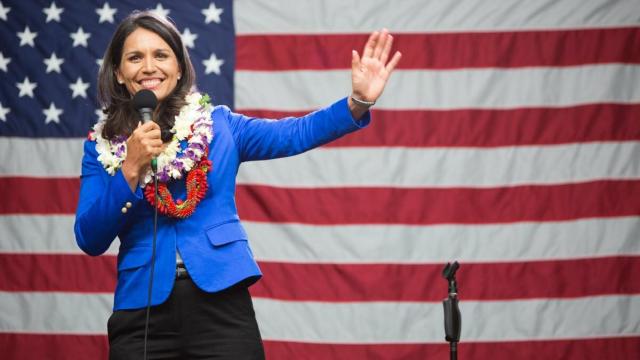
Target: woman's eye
{"x": 161, "y": 56}
{"x": 134, "y": 58}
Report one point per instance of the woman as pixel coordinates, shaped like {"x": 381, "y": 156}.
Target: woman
{"x": 201, "y": 307}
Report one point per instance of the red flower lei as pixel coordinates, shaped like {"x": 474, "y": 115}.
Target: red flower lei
{"x": 196, "y": 185}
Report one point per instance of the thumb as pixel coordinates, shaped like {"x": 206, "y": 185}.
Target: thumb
{"x": 355, "y": 60}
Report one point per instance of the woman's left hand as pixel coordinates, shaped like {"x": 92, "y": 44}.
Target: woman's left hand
{"x": 369, "y": 73}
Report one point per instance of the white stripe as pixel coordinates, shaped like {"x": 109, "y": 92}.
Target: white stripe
{"x": 46, "y": 234}
{"x": 448, "y": 167}
{"x": 407, "y": 322}
{"x": 402, "y": 244}
{"x": 487, "y": 88}
{"x": 389, "y": 166}
{"x": 49, "y": 312}
{"x": 337, "y": 16}
{"x": 363, "y": 322}
{"x": 55, "y": 157}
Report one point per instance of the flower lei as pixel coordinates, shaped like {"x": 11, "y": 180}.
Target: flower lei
{"x": 192, "y": 124}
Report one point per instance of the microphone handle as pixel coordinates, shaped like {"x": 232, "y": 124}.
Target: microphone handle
{"x": 146, "y": 115}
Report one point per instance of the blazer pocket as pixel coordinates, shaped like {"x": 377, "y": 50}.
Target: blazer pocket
{"x": 133, "y": 258}
{"x": 226, "y": 232}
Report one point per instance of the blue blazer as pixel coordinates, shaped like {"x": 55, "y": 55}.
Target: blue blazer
{"x": 212, "y": 242}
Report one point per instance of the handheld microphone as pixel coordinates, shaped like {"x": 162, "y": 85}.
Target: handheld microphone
{"x": 145, "y": 101}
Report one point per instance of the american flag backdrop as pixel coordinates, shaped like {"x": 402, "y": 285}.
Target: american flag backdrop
{"x": 508, "y": 139}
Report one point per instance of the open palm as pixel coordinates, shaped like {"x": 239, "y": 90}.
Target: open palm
{"x": 369, "y": 73}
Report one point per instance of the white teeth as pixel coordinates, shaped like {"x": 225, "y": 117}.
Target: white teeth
{"x": 150, "y": 83}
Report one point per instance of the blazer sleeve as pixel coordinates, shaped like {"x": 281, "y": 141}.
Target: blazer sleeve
{"x": 261, "y": 139}
{"x": 99, "y": 215}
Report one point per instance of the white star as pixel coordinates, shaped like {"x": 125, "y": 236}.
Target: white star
{"x": 101, "y": 115}
{"x": 212, "y": 13}
{"x": 188, "y": 38}
{"x": 79, "y": 88}
{"x": 106, "y": 13}
{"x": 53, "y": 12}
{"x": 26, "y": 87}
{"x": 3, "y": 112}
{"x": 4, "y": 11}
{"x": 160, "y": 11}
{"x": 52, "y": 114}
{"x": 4, "y": 62}
{"x": 99, "y": 62}
{"x": 27, "y": 37}
{"x": 53, "y": 63}
{"x": 80, "y": 37}
{"x": 213, "y": 64}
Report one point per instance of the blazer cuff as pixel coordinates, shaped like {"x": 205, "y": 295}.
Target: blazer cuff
{"x": 122, "y": 194}
{"x": 340, "y": 110}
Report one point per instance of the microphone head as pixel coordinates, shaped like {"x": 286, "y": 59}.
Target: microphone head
{"x": 145, "y": 99}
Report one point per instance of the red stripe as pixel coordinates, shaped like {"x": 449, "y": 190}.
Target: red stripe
{"x": 329, "y": 206}
{"x": 58, "y": 272}
{"x": 444, "y": 50}
{"x": 468, "y": 128}
{"x": 53, "y": 346}
{"x": 495, "y": 281}
{"x": 418, "y": 206}
{"x": 22, "y": 195}
{"x": 57, "y": 346}
{"x": 357, "y": 282}
{"x": 605, "y": 348}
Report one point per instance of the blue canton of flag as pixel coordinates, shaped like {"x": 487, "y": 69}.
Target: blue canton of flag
{"x": 51, "y": 53}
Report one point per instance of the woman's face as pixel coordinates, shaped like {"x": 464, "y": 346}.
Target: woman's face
{"x": 148, "y": 63}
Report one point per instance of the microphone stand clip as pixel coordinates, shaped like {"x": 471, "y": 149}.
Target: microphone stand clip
{"x": 452, "y": 318}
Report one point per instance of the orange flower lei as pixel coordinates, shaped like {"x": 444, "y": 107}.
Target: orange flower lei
{"x": 196, "y": 184}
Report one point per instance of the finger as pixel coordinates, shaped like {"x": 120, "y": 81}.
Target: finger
{"x": 380, "y": 44}
{"x": 151, "y": 146}
{"x": 355, "y": 60}
{"x": 394, "y": 61}
{"x": 149, "y": 126}
{"x": 152, "y": 125}
{"x": 153, "y": 134}
{"x": 155, "y": 143}
{"x": 144, "y": 127}
{"x": 144, "y": 137}
{"x": 370, "y": 45}
{"x": 387, "y": 49}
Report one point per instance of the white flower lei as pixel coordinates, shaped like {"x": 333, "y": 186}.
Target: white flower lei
{"x": 174, "y": 161}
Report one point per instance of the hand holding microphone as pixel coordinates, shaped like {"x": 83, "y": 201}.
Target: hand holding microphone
{"x": 145, "y": 101}
{"x": 145, "y": 143}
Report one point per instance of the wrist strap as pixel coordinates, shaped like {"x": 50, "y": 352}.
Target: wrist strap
{"x": 363, "y": 103}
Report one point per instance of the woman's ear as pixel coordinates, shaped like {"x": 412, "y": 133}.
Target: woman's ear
{"x": 119, "y": 77}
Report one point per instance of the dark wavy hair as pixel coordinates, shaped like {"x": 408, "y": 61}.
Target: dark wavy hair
{"x": 122, "y": 118}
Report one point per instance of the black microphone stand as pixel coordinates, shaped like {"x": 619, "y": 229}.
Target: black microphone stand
{"x": 452, "y": 318}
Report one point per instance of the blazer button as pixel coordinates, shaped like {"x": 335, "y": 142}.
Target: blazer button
{"x": 128, "y": 205}
{"x": 124, "y": 210}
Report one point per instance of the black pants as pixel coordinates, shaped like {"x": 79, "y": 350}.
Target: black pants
{"x": 191, "y": 324}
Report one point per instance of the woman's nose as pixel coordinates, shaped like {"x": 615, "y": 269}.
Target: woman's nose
{"x": 149, "y": 65}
